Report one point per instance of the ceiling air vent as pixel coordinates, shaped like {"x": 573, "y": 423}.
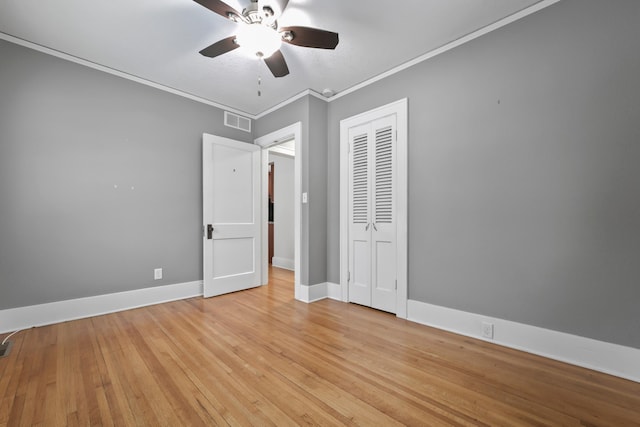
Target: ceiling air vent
{"x": 237, "y": 122}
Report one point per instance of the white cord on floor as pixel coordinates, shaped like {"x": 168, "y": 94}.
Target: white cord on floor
{"x": 9, "y": 336}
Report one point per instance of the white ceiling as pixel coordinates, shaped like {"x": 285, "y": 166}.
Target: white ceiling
{"x": 159, "y": 41}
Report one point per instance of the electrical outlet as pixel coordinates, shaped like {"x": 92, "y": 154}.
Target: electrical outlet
{"x": 487, "y": 330}
{"x": 157, "y": 274}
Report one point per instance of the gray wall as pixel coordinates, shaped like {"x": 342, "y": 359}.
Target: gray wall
{"x": 312, "y": 113}
{"x": 317, "y": 190}
{"x": 523, "y": 179}
{"x": 68, "y": 135}
{"x": 283, "y": 208}
{"x": 524, "y": 184}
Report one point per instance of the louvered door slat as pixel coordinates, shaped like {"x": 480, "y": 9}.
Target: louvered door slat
{"x": 384, "y": 175}
{"x": 360, "y": 184}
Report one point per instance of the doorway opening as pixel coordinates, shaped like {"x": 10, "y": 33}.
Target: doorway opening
{"x": 282, "y": 146}
{"x": 270, "y": 193}
{"x": 281, "y": 206}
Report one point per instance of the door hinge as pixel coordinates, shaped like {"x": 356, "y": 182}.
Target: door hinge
{"x": 396, "y": 285}
{"x": 348, "y": 276}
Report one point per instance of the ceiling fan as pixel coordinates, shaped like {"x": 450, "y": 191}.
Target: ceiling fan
{"x": 259, "y": 33}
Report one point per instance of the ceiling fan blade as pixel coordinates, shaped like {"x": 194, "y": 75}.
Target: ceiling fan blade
{"x": 310, "y": 37}
{"x": 277, "y": 64}
{"x": 220, "y": 47}
{"x": 221, "y": 8}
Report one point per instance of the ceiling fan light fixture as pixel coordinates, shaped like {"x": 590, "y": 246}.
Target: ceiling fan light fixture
{"x": 258, "y": 40}
{"x": 261, "y": 37}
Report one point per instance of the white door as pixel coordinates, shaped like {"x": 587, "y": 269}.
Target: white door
{"x": 360, "y": 215}
{"x": 372, "y": 222}
{"x": 231, "y": 213}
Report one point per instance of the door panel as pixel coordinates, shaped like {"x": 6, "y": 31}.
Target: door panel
{"x": 383, "y": 292}
{"x": 231, "y": 205}
{"x": 360, "y": 286}
{"x": 234, "y": 182}
{"x": 233, "y": 256}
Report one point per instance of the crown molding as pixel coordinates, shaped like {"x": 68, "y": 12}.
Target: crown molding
{"x": 113, "y": 71}
{"x": 438, "y": 51}
{"x": 309, "y": 92}
{"x": 451, "y": 45}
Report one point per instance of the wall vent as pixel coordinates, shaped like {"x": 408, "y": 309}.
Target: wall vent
{"x": 237, "y": 122}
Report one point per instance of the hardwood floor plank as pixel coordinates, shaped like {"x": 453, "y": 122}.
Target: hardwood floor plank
{"x": 259, "y": 357}
{"x": 377, "y": 384}
{"x": 286, "y": 401}
{"x": 140, "y": 386}
{"x": 297, "y": 363}
{"x": 232, "y": 399}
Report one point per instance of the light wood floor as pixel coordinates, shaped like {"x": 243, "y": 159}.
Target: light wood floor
{"x": 261, "y": 358}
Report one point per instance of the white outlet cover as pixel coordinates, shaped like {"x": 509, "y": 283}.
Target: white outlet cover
{"x": 487, "y": 330}
{"x": 157, "y": 274}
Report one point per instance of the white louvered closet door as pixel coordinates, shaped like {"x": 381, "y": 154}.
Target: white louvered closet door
{"x": 360, "y": 215}
{"x": 372, "y": 222}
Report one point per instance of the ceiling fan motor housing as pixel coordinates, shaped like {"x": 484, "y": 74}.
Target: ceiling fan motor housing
{"x": 253, "y": 14}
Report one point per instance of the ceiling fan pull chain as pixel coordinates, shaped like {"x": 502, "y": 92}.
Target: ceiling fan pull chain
{"x": 259, "y": 83}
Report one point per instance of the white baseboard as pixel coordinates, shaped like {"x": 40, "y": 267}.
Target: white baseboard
{"x": 55, "y": 312}
{"x": 285, "y": 263}
{"x": 599, "y": 356}
{"x": 320, "y": 291}
{"x": 313, "y": 293}
{"x": 334, "y": 291}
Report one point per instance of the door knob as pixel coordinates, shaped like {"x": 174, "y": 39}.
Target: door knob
{"x": 209, "y": 231}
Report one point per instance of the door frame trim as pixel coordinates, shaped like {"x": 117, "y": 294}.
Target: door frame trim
{"x": 400, "y": 109}
{"x": 274, "y": 138}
